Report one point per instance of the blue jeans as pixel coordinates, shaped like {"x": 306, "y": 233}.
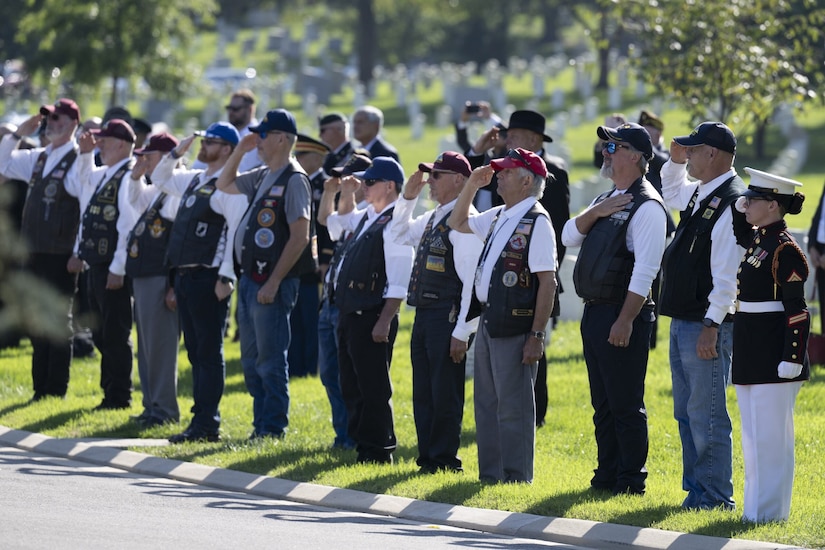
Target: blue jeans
{"x": 328, "y": 354}
{"x": 265, "y": 334}
{"x": 700, "y": 408}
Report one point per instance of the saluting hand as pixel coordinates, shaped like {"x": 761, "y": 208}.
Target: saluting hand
{"x": 414, "y": 185}
{"x": 481, "y": 176}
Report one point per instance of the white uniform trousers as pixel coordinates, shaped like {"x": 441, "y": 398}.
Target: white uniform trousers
{"x": 768, "y": 448}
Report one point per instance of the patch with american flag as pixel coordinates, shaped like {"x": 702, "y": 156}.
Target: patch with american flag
{"x": 794, "y": 277}
{"x": 714, "y": 202}
{"x": 798, "y": 318}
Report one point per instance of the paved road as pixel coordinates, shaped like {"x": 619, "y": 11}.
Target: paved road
{"x": 50, "y": 502}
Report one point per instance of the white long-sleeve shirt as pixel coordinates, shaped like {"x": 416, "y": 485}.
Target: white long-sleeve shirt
{"x": 466, "y": 250}
{"x": 725, "y": 254}
{"x": 97, "y": 176}
{"x": 398, "y": 258}
{"x": 175, "y": 181}
{"x": 645, "y": 237}
{"x": 18, "y": 164}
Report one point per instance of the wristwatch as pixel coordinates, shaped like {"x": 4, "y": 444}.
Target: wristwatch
{"x": 226, "y": 280}
{"x": 537, "y": 334}
{"x": 710, "y": 323}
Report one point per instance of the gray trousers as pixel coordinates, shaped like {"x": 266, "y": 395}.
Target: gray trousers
{"x": 505, "y": 408}
{"x": 158, "y": 334}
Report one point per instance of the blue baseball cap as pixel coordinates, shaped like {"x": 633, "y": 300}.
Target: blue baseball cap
{"x": 711, "y": 133}
{"x": 279, "y": 120}
{"x": 383, "y": 168}
{"x": 223, "y": 131}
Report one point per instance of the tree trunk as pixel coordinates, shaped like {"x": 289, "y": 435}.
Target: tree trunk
{"x": 604, "y": 52}
{"x": 367, "y": 41}
{"x": 759, "y": 139}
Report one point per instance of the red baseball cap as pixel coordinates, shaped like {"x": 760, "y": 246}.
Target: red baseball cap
{"x": 64, "y": 106}
{"x": 521, "y": 158}
{"x": 116, "y": 128}
{"x": 162, "y": 142}
{"x": 448, "y": 161}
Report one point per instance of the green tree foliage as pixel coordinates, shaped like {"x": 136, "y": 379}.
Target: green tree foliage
{"x": 90, "y": 39}
{"x": 732, "y": 60}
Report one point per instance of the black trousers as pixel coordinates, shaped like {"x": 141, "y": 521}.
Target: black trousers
{"x": 111, "y": 332}
{"x": 438, "y": 389}
{"x": 820, "y": 288}
{"x": 51, "y": 358}
{"x": 364, "y": 368}
{"x": 617, "y": 388}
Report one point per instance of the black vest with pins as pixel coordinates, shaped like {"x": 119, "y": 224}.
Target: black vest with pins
{"x": 197, "y": 230}
{"x": 362, "y": 273}
{"x": 511, "y": 296}
{"x": 51, "y": 216}
{"x": 602, "y": 272}
{"x": 148, "y": 241}
{"x": 434, "y": 281}
{"x": 267, "y": 232}
{"x": 100, "y": 221}
{"x": 686, "y": 274}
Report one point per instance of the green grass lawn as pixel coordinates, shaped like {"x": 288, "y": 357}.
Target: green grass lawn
{"x": 565, "y": 449}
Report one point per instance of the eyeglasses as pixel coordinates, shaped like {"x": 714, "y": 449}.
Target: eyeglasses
{"x": 235, "y": 107}
{"x": 435, "y": 175}
{"x": 515, "y": 155}
{"x": 612, "y": 146}
{"x": 210, "y": 141}
{"x": 371, "y": 182}
{"x": 265, "y": 133}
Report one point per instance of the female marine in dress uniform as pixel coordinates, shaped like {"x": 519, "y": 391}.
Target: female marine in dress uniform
{"x": 770, "y": 335}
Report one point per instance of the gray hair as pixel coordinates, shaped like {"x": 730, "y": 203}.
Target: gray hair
{"x": 538, "y": 182}
{"x": 642, "y": 163}
{"x": 374, "y": 114}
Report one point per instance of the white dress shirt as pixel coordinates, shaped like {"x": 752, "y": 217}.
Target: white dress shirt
{"x": 176, "y": 181}
{"x": 645, "y": 237}
{"x": 398, "y": 258}
{"x": 725, "y": 254}
{"x": 18, "y": 164}
{"x": 542, "y": 255}
{"x": 466, "y": 250}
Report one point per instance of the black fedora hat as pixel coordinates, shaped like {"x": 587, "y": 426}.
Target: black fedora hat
{"x": 529, "y": 120}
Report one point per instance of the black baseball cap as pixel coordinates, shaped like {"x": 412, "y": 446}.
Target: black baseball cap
{"x": 714, "y": 134}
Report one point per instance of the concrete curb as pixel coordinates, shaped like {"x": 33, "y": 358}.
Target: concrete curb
{"x": 591, "y": 534}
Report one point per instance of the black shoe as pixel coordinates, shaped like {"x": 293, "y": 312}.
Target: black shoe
{"x": 374, "y": 458}
{"x": 152, "y": 421}
{"x": 627, "y": 490}
{"x": 190, "y": 434}
{"x": 111, "y": 406}
{"x": 265, "y": 435}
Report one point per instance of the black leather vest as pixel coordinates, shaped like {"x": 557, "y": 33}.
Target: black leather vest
{"x": 686, "y": 274}
{"x": 511, "y": 297}
{"x": 100, "y": 221}
{"x": 434, "y": 281}
{"x": 197, "y": 229}
{"x": 148, "y": 241}
{"x": 267, "y": 232}
{"x": 602, "y": 272}
{"x": 362, "y": 275}
{"x": 51, "y": 216}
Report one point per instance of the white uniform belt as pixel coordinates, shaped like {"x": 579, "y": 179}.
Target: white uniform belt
{"x": 759, "y": 307}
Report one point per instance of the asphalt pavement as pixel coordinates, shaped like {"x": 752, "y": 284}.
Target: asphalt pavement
{"x": 429, "y": 524}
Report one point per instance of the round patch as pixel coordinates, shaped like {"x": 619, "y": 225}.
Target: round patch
{"x": 509, "y": 279}
{"x": 518, "y": 241}
{"x": 133, "y": 251}
{"x": 140, "y": 228}
{"x": 109, "y": 213}
{"x": 264, "y": 238}
{"x": 50, "y": 190}
{"x": 266, "y": 217}
{"x": 190, "y": 201}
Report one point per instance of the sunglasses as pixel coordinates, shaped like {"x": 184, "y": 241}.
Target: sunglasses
{"x": 436, "y": 175}
{"x": 265, "y": 133}
{"x": 515, "y": 155}
{"x": 54, "y": 116}
{"x": 211, "y": 141}
{"x": 371, "y": 182}
{"x": 234, "y": 108}
{"x": 612, "y": 146}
